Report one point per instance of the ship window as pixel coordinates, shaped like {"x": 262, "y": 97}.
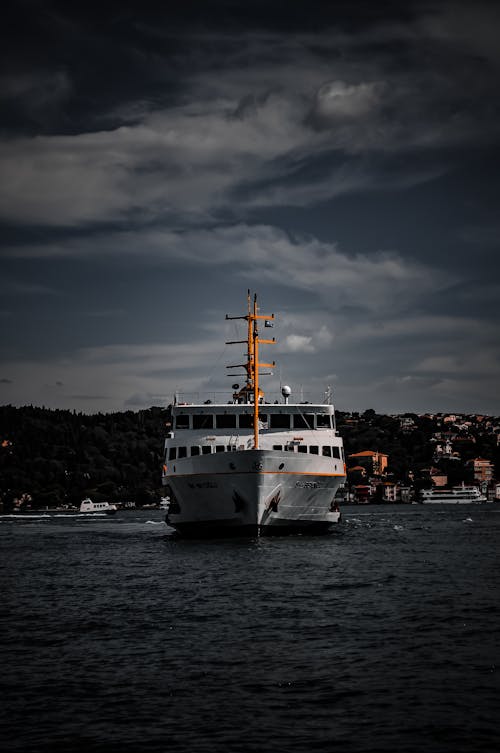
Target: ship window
{"x": 301, "y": 421}
{"x": 231, "y": 448}
{"x": 195, "y": 450}
{"x": 335, "y": 452}
{"x": 302, "y": 448}
{"x": 206, "y": 449}
{"x": 327, "y": 451}
{"x": 219, "y": 448}
{"x": 172, "y": 453}
{"x": 314, "y": 449}
{"x": 246, "y": 421}
{"x": 203, "y": 421}
{"x": 225, "y": 421}
{"x": 280, "y": 420}
{"x": 182, "y": 452}
{"x": 323, "y": 421}
{"x": 277, "y": 447}
{"x": 182, "y": 421}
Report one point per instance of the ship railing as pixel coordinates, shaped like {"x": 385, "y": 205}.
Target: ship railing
{"x": 221, "y": 397}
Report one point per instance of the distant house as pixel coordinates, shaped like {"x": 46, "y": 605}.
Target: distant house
{"x": 362, "y": 493}
{"x": 390, "y": 492}
{"x": 444, "y": 450}
{"x": 406, "y": 494}
{"x": 482, "y": 469}
{"x": 374, "y": 462}
{"x": 407, "y": 423}
{"x": 439, "y": 479}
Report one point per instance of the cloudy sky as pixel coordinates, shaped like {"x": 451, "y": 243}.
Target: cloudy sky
{"x": 341, "y": 159}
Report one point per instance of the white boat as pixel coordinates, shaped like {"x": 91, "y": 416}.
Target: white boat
{"x": 457, "y": 495}
{"x": 247, "y": 466}
{"x": 103, "y": 507}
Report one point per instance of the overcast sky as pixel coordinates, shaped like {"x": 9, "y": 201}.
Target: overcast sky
{"x": 341, "y": 159}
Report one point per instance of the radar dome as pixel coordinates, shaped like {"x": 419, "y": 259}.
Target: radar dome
{"x": 286, "y": 390}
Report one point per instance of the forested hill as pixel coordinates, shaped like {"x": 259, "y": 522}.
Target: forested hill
{"x": 59, "y": 456}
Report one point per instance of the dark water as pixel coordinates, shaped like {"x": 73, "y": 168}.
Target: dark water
{"x": 381, "y": 637}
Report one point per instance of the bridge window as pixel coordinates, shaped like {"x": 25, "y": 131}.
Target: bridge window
{"x": 182, "y": 452}
{"x": 225, "y": 421}
{"x": 277, "y": 447}
{"x": 323, "y": 421}
{"x": 206, "y": 449}
{"x": 219, "y": 448}
{"x": 246, "y": 421}
{"x": 302, "y": 448}
{"x": 280, "y": 420}
{"x": 303, "y": 421}
{"x": 314, "y": 449}
{"x": 203, "y": 421}
{"x": 335, "y": 452}
{"x": 172, "y": 453}
{"x": 182, "y": 421}
{"x": 195, "y": 450}
{"x": 327, "y": 451}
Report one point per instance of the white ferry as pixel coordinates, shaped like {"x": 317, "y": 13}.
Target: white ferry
{"x": 103, "y": 507}
{"x": 457, "y": 495}
{"x": 247, "y": 466}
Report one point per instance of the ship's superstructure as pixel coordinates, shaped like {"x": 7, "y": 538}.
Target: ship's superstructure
{"x": 251, "y": 466}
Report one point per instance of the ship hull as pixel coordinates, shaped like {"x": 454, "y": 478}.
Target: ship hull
{"x": 254, "y": 492}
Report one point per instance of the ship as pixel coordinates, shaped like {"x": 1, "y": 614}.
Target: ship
{"x": 457, "y": 495}
{"x": 251, "y": 467}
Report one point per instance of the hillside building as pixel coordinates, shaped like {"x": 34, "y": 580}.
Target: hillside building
{"x": 374, "y": 462}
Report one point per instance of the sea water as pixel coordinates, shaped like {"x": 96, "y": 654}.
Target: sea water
{"x": 383, "y": 636}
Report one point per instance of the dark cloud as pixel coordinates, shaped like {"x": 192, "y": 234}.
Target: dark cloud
{"x": 341, "y": 158}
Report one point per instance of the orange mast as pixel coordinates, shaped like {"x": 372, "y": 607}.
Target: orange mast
{"x": 253, "y": 365}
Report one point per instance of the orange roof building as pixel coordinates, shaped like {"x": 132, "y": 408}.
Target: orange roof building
{"x": 375, "y": 461}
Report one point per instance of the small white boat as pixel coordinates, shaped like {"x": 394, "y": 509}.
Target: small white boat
{"x": 103, "y": 507}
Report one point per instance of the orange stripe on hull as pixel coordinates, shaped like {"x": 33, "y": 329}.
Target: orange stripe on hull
{"x": 261, "y": 473}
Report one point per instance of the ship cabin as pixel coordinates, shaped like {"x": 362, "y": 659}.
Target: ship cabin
{"x": 211, "y": 428}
